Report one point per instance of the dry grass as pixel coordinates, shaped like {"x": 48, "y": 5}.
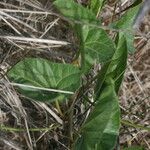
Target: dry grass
{"x": 31, "y": 28}
{"x": 135, "y": 98}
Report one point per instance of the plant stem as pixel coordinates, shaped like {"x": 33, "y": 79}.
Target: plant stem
{"x": 10, "y": 129}
{"x": 58, "y": 108}
{"x": 128, "y": 123}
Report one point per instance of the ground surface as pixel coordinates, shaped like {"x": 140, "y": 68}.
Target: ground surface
{"x": 20, "y": 117}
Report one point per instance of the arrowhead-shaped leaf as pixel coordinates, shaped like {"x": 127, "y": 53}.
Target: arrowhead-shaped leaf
{"x": 95, "y": 44}
{"x": 45, "y": 74}
{"x": 125, "y": 24}
{"x": 102, "y": 127}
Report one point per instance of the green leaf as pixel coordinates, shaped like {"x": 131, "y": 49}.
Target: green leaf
{"x": 96, "y": 5}
{"x": 45, "y": 74}
{"x": 74, "y": 11}
{"x": 125, "y": 24}
{"x": 106, "y": 114}
{"x": 116, "y": 67}
{"x": 100, "y": 80}
{"x": 126, "y": 20}
{"x": 134, "y": 148}
{"x": 95, "y": 44}
{"x": 119, "y": 61}
{"x": 102, "y": 127}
